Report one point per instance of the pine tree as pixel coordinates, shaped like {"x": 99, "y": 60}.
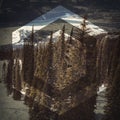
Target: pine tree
{"x": 71, "y": 35}
{"x": 112, "y": 109}
{"x": 28, "y": 62}
{"x": 4, "y": 72}
{"x": 17, "y": 82}
{"x": 18, "y": 77}
{"x": 50, "y": 73}
{"x": 9, "y": 77}
{"x": 81, "y": 32}
{"x": 62, "y": 38}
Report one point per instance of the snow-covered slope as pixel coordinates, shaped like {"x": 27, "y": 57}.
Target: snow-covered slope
{"x": 57, "y": 13}
{"x": 11, "y": 109}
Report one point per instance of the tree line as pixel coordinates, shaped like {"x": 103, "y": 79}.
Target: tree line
{"x": 54, "y": 74}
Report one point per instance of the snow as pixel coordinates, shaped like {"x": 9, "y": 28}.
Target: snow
{"x": 9, "y": 108}
{"x": 112, "y": 36}
{"x": 23, "y": 92}
{"x": 76, "y": 21}
{"x": 57, "y": 13}
{"x": 20, "y": 63}
{"x": 101, "y": 88}
{"x": 56, "y": 34}
{"x": 46, "y": 40}
{"x": 26, "y": 88}
{"x": 101, "y": 102}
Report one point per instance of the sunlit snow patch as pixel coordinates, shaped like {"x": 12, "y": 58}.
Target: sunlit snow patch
{"x": 101, "y": 88}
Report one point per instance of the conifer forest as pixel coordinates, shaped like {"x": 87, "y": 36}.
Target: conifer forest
{"x": 59, "y": 66}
